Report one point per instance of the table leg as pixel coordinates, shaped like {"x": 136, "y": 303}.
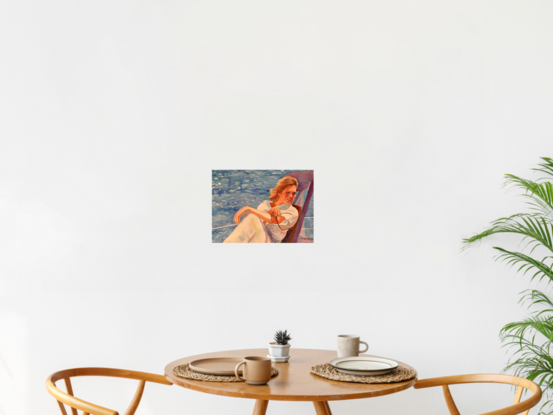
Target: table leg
{"x": 260, "y": 407}
{"x": 322, "y": 408}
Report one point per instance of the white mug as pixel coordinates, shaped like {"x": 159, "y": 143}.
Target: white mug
{"x": 348, "y": 345}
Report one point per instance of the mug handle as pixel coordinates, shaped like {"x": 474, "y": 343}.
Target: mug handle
{"x": 365, "y": 343}
{"x": 243, "y": 362}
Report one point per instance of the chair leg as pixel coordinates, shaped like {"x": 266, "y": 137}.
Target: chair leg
{"x": 322, "y": 408}
{"x": 260, "y": 407}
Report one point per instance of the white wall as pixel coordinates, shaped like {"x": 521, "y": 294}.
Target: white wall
{"x": 113, "y": 114}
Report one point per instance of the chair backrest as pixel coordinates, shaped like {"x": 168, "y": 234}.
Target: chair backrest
{"x": 516, "y": 408}
{"x": 303, "y": 197}
{"x": 88, "y": 408}
{"x": 292, "y": 231}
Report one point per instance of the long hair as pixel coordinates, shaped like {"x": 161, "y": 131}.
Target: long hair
{"x": 281, "y": 185}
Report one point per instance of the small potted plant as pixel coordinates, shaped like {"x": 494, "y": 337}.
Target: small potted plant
{"x": 279, "y": 350}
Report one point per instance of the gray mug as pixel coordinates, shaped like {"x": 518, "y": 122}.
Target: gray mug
{"x": 348, "y": 345}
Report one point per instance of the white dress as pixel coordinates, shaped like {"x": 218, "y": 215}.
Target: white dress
{"x": 290, "y": 215}
{"x": 253, "y": 230}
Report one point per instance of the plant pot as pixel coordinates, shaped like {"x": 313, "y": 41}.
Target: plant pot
{"x": 279, "y": 350}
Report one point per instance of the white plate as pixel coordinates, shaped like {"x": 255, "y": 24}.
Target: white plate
{"x": 282, "y": 359}
{"x": 364, "y": 365}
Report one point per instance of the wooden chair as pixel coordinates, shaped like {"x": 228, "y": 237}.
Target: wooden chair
{"x": 304, "y": 191}
{"x": 292, "y": 231}
{"x": 517, "y": 407}
{"x": 89, "y": 408}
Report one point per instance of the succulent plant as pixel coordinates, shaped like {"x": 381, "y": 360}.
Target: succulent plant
{"x": 282, "y": 337}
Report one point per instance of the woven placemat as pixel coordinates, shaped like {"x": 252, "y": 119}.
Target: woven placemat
{"x": 400, "y": 374}
{"x": 184, "y": 371}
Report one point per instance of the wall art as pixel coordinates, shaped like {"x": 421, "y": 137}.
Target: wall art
{"x": 262, "y": 206}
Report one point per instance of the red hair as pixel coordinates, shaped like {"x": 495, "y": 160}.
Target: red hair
{"x": 281, "y": 185}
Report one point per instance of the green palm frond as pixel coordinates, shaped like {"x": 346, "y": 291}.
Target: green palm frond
{"x": 527, "y": 263}
{"x": 535, "y": 324}
{"x": 536, "y": 297}
{"x": 532, "y": 227}
{"x": 540, "y": 195}
{"x": 546, "y": 167}
{"x": 535, "y": 364}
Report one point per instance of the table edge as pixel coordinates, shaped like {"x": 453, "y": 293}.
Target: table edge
{"x": 401, "y": 386}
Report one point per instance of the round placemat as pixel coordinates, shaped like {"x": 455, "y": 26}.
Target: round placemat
{"x": 400, "y": 374}
{"x": 184, "y": 371}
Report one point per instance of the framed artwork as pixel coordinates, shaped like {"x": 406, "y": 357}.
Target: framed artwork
{"x": 262, "y": 206}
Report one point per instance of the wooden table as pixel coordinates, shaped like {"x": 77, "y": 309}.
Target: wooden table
{"x": 295, "y": 382}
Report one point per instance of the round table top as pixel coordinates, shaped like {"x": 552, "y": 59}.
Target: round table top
{"x": 295, "y": 382}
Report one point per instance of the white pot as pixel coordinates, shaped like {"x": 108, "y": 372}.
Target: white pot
{"x": 278, "y": 350}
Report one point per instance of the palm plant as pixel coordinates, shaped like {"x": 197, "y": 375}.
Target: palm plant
{"x": 532, "y": 338}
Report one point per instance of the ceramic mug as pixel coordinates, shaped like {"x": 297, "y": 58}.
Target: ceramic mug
{"x": 348, "y": 345}
{"x": 257, "y": 370}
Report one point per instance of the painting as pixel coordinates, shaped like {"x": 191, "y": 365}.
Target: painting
{"x": 262, "y": 206}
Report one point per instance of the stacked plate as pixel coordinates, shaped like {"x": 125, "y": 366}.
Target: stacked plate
{"x": 218, "y": 366}
{"x": 363, "y": 365}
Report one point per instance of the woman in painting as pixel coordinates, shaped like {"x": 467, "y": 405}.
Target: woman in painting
{"x": 271, "y": 220}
